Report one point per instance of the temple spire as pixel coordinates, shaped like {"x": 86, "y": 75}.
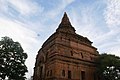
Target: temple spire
{"x": 65, "y": 20}
{"x": 65, "y": 25}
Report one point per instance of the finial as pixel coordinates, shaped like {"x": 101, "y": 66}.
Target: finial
{"x": 65, "y": 19}
{"x": 65, "y": 14}
{"x": 65, "y": 25}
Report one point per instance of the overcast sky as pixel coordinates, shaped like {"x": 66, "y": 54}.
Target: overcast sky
{"x": 31, "y": 22}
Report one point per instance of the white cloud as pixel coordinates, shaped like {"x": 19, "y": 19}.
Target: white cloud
{"x": 14, "y": 29}
{"x": 24, "y": 7}
{"x": 59, "y": 8}
{"x": 112, "y": 13}
{"x": 109, "y": 41}
{"x": 3, "y": 6}
{"x": 113, "y": 48}
{"x": 85, "y": 24}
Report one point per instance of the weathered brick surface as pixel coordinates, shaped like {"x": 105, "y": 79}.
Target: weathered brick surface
{"x": 68, "y": 51}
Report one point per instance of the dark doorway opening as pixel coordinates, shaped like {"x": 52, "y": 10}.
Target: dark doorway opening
{"x": 82, "y": 75}
{"x": 69, "y": 74}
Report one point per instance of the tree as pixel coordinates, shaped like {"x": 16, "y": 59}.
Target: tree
{"x": 12, "y": 60}
{"x": 108, "y": 67}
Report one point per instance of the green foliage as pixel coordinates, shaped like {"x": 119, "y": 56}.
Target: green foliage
{"x": 108, "y": 67}
{"x": 12, "y": 60}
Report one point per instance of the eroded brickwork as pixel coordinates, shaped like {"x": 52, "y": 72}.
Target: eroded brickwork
{"x": 66, "y": 55}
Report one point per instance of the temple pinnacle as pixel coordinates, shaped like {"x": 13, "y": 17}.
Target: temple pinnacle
{"x": 65, "y": 20}
{"x": 65, "y": 25}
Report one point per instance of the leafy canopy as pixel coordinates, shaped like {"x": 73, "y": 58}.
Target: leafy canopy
{"x": 12, "y": 60}
{"x": 108, "y": 67}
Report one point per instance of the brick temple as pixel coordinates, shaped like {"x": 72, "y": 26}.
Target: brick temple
{"x": 66, "y": 55}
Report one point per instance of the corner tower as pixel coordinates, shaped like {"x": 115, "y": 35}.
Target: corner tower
{"x": 66, "y": 55}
